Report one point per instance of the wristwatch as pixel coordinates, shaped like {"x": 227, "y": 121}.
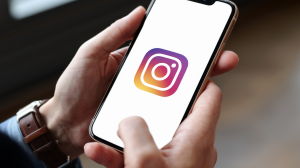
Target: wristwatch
{"x": 36, "y": 135}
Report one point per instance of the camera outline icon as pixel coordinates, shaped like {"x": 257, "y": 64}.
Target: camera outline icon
{"x": 178, "y": 60}
{"x": 167, "y": 75}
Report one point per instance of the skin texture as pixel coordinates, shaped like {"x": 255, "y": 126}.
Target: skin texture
{"x": 82, "y": 86}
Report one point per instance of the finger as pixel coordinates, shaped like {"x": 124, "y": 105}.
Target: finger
{"x": 118, "y": 55}
{"x": 140, "y": 149}
{"x": 207, "y": 108}
{"x": 104, "y": 155}
{"x": 227, "y": 62}
{"x": 115, "y": 35}
{"x": 200, "y": 125}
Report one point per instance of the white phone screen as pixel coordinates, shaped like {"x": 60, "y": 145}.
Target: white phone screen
{"x": 163, "y": 68}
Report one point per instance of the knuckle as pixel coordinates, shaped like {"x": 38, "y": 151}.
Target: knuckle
{"x": 118, "y": 30}
{"x": 116, "y": 22}
{"x": 84, "y": 45}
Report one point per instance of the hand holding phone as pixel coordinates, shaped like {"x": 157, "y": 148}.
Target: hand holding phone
{"x": 192, "y": 144}
{"x": 84, "y": 82}
{"x": 166, "y": 68}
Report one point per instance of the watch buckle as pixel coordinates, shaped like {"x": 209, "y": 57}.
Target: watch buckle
{"x": 27, "y": 109}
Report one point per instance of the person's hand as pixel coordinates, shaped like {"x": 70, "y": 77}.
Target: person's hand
{"x": 192, "y": 144}
{"x": 83, "y": 84}
{"x": 191, "y": 147}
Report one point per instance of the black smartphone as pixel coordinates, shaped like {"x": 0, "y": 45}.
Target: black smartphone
{"x": 165, "y": 68}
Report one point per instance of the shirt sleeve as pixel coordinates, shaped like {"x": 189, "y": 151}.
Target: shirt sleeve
{"x": 14, "y": 150}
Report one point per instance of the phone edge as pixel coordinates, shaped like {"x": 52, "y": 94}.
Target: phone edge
{"x": 216, "y": 57}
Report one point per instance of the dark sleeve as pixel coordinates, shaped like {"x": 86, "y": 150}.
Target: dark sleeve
{"x": 14, "y": 150}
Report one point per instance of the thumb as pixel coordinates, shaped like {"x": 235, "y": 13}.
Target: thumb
{"x": 104, "y": 155}
{"x": 140, "y": 149}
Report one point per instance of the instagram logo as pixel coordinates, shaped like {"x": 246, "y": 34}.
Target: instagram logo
{"x": 161, "y": 72}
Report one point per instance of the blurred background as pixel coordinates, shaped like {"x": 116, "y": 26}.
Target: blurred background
{"x": 260, "y": 119}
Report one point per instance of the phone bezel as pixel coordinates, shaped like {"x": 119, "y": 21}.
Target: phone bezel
{"x": 226, "y": 31}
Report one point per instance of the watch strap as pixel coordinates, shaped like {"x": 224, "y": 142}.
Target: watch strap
{"x": 37, "y": 137}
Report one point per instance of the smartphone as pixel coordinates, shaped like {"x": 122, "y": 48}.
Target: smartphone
{"x": 166, "y": 68}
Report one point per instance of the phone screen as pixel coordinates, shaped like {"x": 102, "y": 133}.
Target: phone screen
{"x": 163, "y": 68}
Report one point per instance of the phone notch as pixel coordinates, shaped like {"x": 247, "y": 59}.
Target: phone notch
{"x": 206, "y": 2}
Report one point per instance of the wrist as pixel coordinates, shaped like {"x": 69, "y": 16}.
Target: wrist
{"x": 51, "y": 115}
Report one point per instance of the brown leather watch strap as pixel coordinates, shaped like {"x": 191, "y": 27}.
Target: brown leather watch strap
{"x": 35, "y": 134}
{"x": 37, "y": 137}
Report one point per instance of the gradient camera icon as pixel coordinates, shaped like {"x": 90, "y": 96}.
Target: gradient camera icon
{"x": 161, "y": 72}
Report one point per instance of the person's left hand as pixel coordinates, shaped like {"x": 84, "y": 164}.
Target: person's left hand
{"x": 83, "y": 84}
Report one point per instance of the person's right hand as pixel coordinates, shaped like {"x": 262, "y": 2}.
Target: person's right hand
{"x": 192, "y": 145}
